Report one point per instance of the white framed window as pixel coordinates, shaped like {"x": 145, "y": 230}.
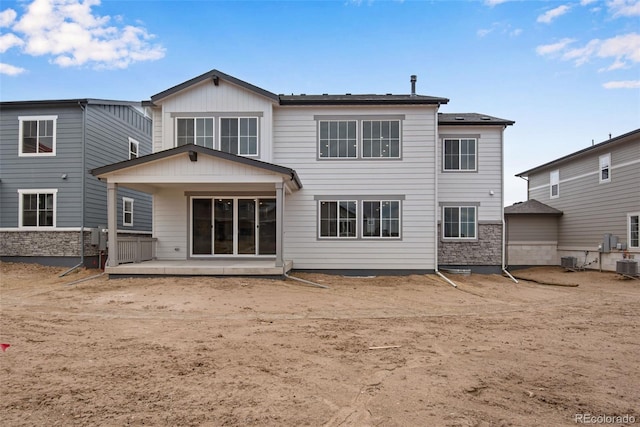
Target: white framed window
{"x": 554, "y": 184}
{"x": 195, "y": 130}
{"x": 37, "y": 136}
{"x": 338, "y": 218}
{"x": 37, "y": 208}
{"x": 634, "y": 230}
{"x": 127, "y": 211}
{"x": 338, "y": 139}
{"x": 605, "y": 168}
{"x": 459, "y": 154}
{"x": 381, "y": 218}
{"x": 239, "y": 135}
{"x": 134, "y": 147}
{"x": 381, "y": 139}
{"x": 459, "y": 222}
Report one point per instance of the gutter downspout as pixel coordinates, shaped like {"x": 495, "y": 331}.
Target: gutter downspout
{"x": 436, "y": 205}
{"x": 83, "y": 175}
{"x": 504, "y": 226}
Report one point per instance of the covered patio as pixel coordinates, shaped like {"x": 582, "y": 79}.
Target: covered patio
{"x": 214, "y": 213}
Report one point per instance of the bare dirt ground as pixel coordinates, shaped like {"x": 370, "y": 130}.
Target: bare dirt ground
{"x": 392, "y": 351}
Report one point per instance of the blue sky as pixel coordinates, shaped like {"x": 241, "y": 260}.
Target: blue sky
{"x": 568, "y": 72}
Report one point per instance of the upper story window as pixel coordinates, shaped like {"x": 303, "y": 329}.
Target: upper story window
{"x": 37, "y": 208}
{"x": 459, "y": 222}
{"x": 134, "y": 147}
{"x": 37, "y": 135}
{"x": 381, "y": 138}
{"x": 239, "y": 135}
{"x": 634, "y": 230}
{"x": 127, "y": 211}
{"x": 364, "y": 137}
{"x": 235, "y": 135}
{"x": 195, "y": 130}
{"x": 460, "y": 154}
{"x": 554, "y": 184}
{"x": 338, "y": 139}
{"x": 605, "y": 168}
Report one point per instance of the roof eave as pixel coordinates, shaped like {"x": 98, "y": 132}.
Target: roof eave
{"x": 617, "y": 139}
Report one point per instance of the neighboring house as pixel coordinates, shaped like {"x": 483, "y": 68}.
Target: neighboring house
{"x": 50, "y": 205}
{"x": 598, "y": 191}
{"x": 254, "y": 182}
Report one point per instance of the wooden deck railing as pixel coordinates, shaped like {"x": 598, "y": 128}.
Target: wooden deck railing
{"x": 136, "y": 249}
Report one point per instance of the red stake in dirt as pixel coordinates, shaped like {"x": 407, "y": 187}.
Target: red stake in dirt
{"x": 4, "y": 347}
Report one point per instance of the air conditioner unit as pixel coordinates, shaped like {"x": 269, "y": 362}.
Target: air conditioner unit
{"x": 628, "y": 267}
{"x": 569, "y": 262}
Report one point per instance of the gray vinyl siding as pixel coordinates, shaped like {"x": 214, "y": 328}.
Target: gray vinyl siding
{"x": 591, "y": 208}
{"x": 410, "y": 178}
{"x": 42, "y": 172}
{"x": 108, "y": 128}
{"x": 532, "y": 228}
{"x": 483, "y": 186}
{"x": 107, "y": 141}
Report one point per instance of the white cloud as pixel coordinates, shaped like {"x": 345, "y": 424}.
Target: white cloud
{"x": 624, "y": 7}
{"x": 492, "y": 3}
{"x": 622, "y": 84}
{"x": 552, "y": 14}
{"x": 553, "y": 48}
{"x": 501, "y": 28}
{"x": 9, "y": 40}
{"x": 69, "y": 32}
{"x": 10, "y": 69}
{"x": 586, "y": 2}
{"x": 7, "y": 17}
{"x": 623, "y": 49}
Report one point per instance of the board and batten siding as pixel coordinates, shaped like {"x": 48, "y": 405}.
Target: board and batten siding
{"x": 42, "y": 172}
{"x": 411, "y": 177}
{"x": 476, "y": 186}
{"x": 170, "y": 225}
{"x": 109, "y": 128}
{"x": 207, "y": 99}
{"x": 592, "y": 209}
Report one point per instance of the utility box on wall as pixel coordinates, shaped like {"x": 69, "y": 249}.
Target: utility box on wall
{"x": 608, "y": 243}
{"x": 99, "y": 238}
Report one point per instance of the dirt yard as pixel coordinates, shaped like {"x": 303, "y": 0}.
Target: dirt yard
{"x": 390, "y": 351}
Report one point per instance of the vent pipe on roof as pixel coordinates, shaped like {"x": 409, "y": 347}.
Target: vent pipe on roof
{"x": 414, "y": 78}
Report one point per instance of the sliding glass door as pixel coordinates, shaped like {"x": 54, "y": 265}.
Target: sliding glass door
{"x": 233, "y": 226}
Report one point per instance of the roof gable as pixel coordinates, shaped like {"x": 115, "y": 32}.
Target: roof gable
{"x": 215, "y": 76}
{"x": 531, "y": 207}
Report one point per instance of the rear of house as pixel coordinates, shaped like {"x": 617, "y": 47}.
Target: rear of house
{"x": 49, "y": 202}
{"x": 344, "y": 183}
{"x": 598, "y": 192}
